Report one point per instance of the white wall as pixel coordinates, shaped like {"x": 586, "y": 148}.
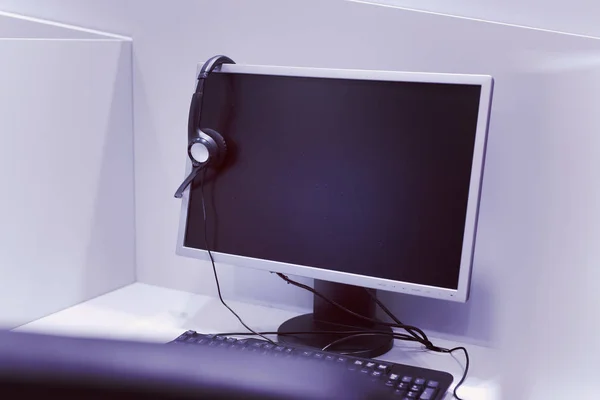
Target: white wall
{"x": 536, "y": 245}
{"x": 66, "y": 171}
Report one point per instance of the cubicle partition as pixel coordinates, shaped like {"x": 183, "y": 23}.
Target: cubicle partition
{"x": 66, "y": 167}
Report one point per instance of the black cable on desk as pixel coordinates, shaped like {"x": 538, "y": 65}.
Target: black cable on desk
{"x": 399, "y": 336}
{"x": 312, "y": 333}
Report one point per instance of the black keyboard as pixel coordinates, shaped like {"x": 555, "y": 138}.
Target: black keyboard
{"x": 402, "y": 382}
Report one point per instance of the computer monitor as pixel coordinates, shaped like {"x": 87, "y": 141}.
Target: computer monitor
{"x": 356, "y": 178}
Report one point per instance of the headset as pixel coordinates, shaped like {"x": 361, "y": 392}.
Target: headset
{"x": 206, "y": 147}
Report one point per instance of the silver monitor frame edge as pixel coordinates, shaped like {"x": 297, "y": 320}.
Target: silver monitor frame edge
{"x": 461, "y": 294}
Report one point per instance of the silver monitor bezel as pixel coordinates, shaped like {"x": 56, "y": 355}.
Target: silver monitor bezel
{"x": 460, "y": 294}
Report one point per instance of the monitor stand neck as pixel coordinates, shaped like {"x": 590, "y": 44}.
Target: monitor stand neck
{"x": 327, "y": 317}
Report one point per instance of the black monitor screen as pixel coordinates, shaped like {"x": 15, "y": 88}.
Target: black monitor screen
{"x": 365, "y": 177}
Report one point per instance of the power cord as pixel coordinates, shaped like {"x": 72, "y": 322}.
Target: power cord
{"x": 363, "y": 334}
{"x": 462, "y": 380}
{"x": 421, "y": 337}
{"x": 212, "y": 261}
{"x": 351, "y": 334}
{"x": 387, "y": 333}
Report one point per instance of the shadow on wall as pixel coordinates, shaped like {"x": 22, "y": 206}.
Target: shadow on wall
{"x": 111, "y": 249}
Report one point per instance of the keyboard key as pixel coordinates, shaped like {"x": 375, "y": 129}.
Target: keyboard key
{"x": 365, "y": 371}
{"x": 407, "y": 379}
{"x": 419, "y": 381}
{"x": 288, "y": 351}
{"x": 370, "y": 364}
{"x": 329, "y": 358}
{"x": 433, "y": 384}
{"x": 403, "y": 386}
{"x": 428, "y": 394}
{"x": 341, "y": 360}
{"x": 383, "y": 368}
{"x": 220, "y": 338}
{"x": 268, "y": 346}
{"x": 257, "y": 345}
{"x": 390, "y": 383}
{"x": 357, "y": 364}
{"x": 319, "y": 356}
{"x": 394, "y": 377}
{"x": 230, "y": 340}
{"x": 376, "y": 374}
{"x": 412, "y": 395}
{"x": 400, "y": 392}
{"x": 416, "y": 388}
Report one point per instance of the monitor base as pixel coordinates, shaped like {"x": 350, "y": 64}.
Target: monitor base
{"x": 327, "y": 316}
{"x": 362, "y": 346}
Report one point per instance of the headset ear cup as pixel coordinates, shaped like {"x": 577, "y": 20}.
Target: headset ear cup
{"x": 221, "y": 146}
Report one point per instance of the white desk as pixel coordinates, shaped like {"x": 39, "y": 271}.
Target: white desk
{"x": 148, "y": 313}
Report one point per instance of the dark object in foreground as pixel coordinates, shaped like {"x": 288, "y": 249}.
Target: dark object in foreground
{"x": 60, "y": 367}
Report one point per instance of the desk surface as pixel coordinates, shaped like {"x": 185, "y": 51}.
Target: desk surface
{"x": 154, "y": 314}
